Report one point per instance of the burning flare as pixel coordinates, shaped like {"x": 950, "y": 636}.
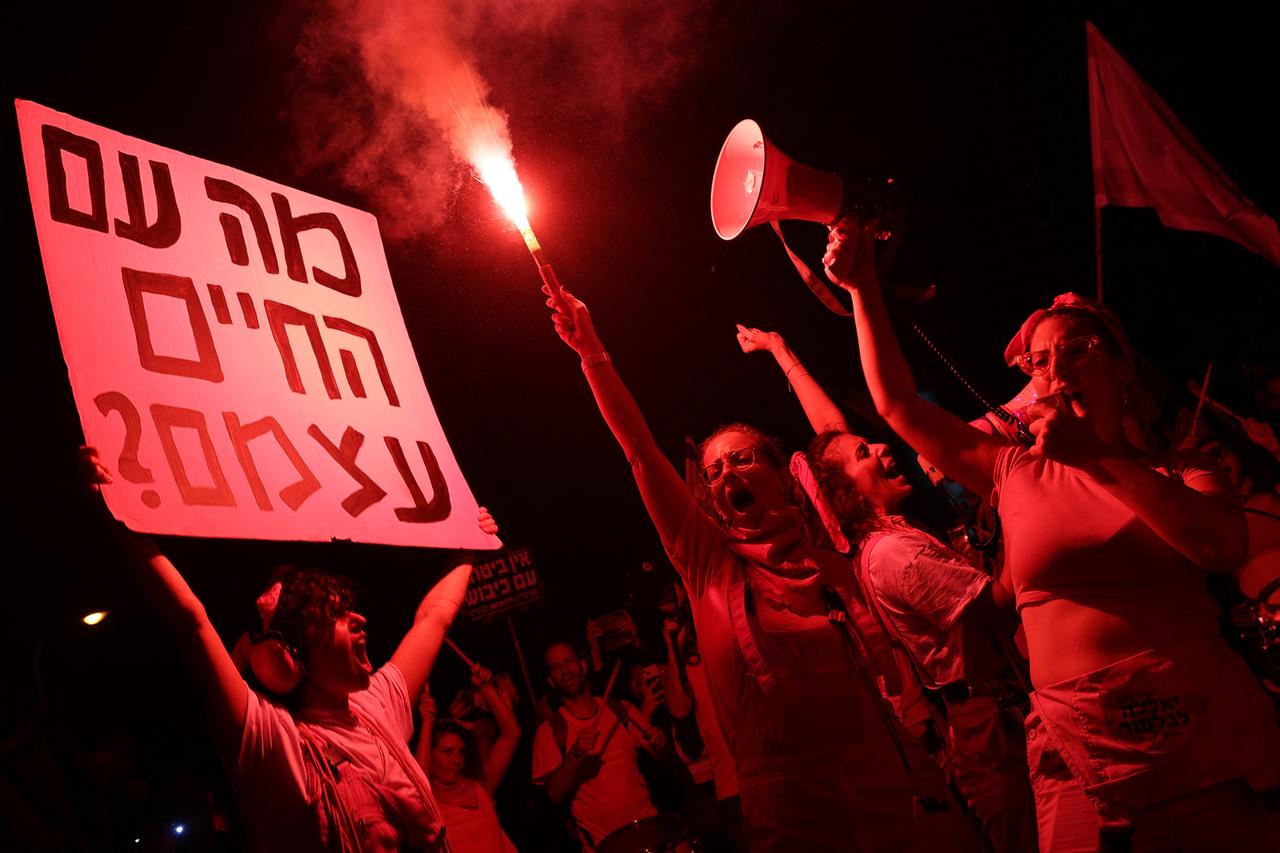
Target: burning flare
{"x": 498, "y": 171}
{"x": 499, "y": 174}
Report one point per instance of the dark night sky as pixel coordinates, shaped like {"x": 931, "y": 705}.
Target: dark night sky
{"x": 979, "y": 111}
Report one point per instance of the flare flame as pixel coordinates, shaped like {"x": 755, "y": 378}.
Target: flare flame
{"x": 498, "y": 173}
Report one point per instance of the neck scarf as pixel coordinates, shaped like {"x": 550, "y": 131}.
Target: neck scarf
{"x": 785, "y": 568}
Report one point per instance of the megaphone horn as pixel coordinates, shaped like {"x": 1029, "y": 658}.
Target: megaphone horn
{"x": 755, "y": 182}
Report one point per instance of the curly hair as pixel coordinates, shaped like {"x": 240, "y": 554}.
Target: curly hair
{"x": 311, "y": 601}
{"x": 471, "y": 766}
{"x": 855, "y": 513}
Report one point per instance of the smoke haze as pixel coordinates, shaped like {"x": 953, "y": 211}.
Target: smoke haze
{"x": 391, "y": 96}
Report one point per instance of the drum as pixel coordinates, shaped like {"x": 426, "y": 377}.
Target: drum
{"x": 658, "y": 834}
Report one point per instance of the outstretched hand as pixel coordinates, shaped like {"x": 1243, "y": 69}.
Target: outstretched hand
{"x": 757, "y": 340}
{"x": 486, "y": 522}
{"x": 573, "y": 321}
{"x": 850, "y": 260}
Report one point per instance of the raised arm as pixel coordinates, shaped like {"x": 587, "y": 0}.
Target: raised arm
{"x": 427, "y": 710}
{"x": 966, "y": 454}
{"x": 664, "y": 493}
{"x": 224, "y": 691}
{"x": 495, "y": 767}
{"x": 417, "y": 652}
{"x": 823, "y": 414}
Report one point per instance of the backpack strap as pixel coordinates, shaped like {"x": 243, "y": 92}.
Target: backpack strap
{"x": 863, "y": 568}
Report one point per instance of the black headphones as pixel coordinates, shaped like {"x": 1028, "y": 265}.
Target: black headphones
{"x": 274, "y": 659}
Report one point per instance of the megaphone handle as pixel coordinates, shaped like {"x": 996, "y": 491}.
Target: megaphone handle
{"x": 818, "y": 286}
{"x": 885, "y": 259}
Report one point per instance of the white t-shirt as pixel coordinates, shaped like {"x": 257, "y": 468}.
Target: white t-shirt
{"x": 922, "y": 588}
{"x": 613, "y": 797}
{"x": 379, "y": 781}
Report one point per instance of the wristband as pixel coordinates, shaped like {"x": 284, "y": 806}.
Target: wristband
{"x": 595, "y": 359}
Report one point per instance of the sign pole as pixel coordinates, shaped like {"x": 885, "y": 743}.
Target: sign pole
{"x": 524, "y": 668}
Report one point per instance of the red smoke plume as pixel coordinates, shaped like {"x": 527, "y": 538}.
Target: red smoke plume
{"x": 390, "y": 98}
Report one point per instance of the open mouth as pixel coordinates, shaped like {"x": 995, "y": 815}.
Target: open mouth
{"x": 891, "y": 471}
{"x": 741, "y": 499}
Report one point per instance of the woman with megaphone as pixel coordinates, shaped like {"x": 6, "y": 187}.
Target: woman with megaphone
{"x": 823, "y": 763}
{"x": 1144, "y": 723}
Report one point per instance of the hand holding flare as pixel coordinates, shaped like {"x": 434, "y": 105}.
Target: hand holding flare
{"x": 573, "y": 322}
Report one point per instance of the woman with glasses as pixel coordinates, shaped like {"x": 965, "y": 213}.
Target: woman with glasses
{"x": 1143, "y": 722}
{"x": 942, "y": 612}
{"x": 823, "y": 763}
{"x": 945, "y": 615}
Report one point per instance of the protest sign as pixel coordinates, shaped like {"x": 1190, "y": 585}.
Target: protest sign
{"x": 235, "y": 349}
{"x": 506, "y": 584}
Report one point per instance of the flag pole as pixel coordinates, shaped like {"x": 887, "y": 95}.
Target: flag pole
{"x": 1097, "y": 247}
{"x": 1095, "y": 157}
{"x": 524, "y": 667}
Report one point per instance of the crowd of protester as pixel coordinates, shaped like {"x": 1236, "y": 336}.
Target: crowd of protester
{"x": 821, "y": 671}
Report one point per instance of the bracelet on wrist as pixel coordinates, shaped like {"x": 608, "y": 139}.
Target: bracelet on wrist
{"x": 595, "y": 359}
{"x": 798, "y": 370}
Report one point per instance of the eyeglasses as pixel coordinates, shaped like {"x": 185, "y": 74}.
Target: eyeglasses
{"x": 1069, "y": 352}
{"x": 738, "y": 460}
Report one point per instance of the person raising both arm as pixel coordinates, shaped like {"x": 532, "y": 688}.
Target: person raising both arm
{"x": 941, "y": 612}
{"x": 1165, "y": 732}
{"x": 463, "y": 785}
{"x": 783, "y": 678}
{"x": 323, "y": 762}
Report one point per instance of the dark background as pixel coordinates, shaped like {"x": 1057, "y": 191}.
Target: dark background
{"x": 979, "y": 112}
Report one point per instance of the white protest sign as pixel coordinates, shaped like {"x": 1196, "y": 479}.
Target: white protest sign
{"x": 235, "y": 349}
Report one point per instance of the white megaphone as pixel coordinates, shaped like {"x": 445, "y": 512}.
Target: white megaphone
{"x": 755, "y": 182}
